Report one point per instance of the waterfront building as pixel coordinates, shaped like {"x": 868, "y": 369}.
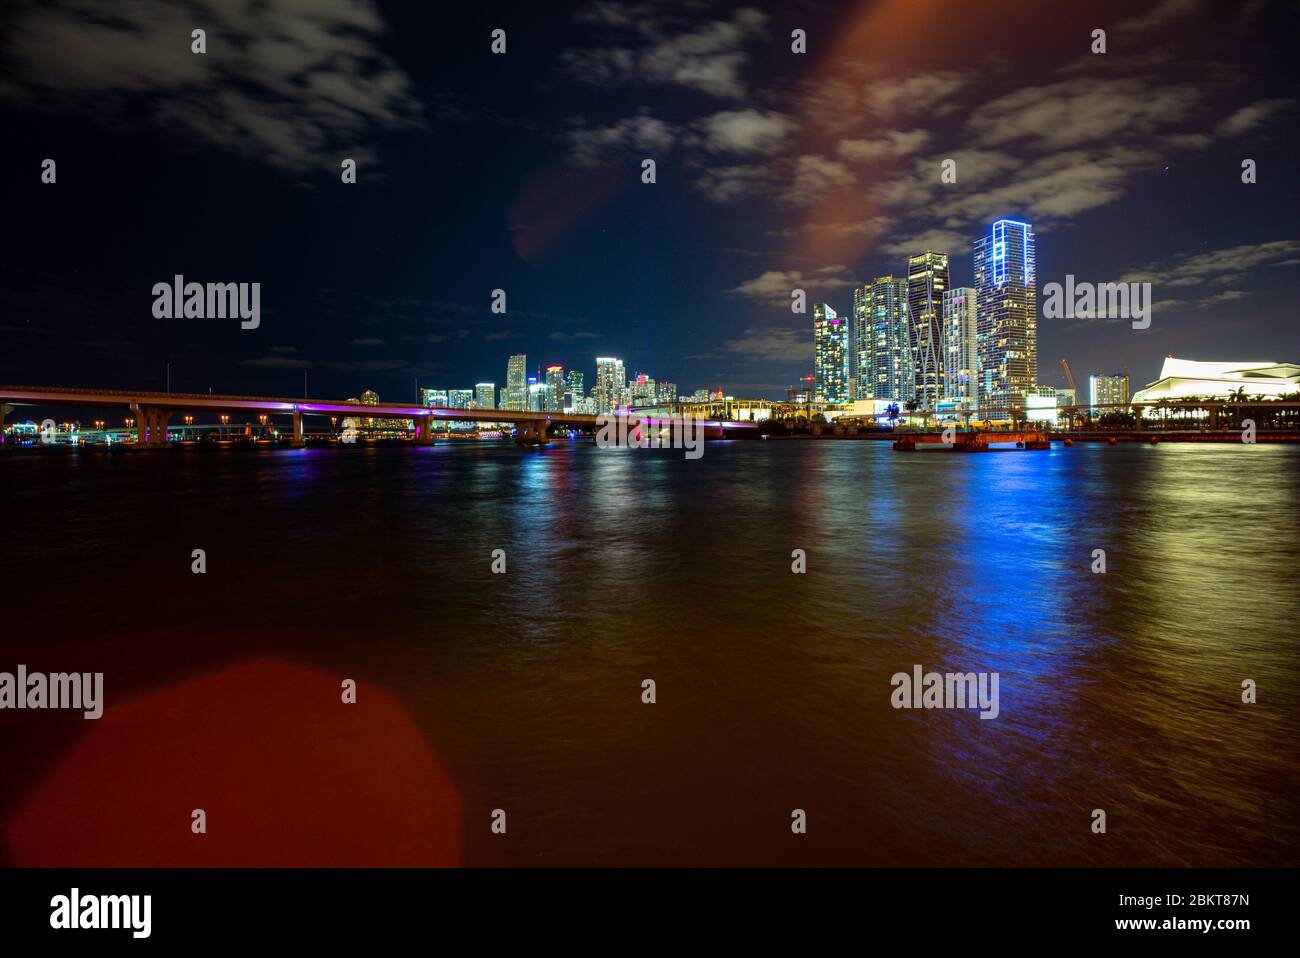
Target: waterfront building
{"x": 927, "y": 281}
{"x": 460, "y": 398}
{"x": 960, "y": 362}
{"x": 1182, "y": 378}
{"x": 1041, "y": 405}
{"x": 515, "y": 395}
{"x": 611, "y": 383}
{"x": 830, "y": 355}
{"x": 1107, "y": 390}
{"x": 1006, "y": 289}
{"x": 882, "y": 354}
{"x": 485, "y": 395}
{"x": 1066, "y": 397}
{"x": 433, "y": 397}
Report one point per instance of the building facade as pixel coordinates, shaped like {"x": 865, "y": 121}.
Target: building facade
{"x": 611, "y": 383}
{"x": 960, "y": 359}
{"x": 927, "y": 281}
{"x": 1006, "y": 288}
{"x": 485, "y": 395}
{"x": 554, "y": 388}
{"x": 881, "y": 353}
{"x": 1107, "y": 391}
{"x": 515, "y": 394}
{"x": 830, "y": 355}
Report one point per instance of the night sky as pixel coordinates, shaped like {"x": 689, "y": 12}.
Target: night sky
{"x": 523, "y": 172}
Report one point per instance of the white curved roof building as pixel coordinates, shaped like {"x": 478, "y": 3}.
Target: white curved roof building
{"x": 1180, "y": 378}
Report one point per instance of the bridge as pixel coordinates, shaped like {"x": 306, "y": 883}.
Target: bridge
{"x": 153, "y": 409}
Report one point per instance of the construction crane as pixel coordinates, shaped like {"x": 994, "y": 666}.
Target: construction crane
{"x": 1069, "y": 378}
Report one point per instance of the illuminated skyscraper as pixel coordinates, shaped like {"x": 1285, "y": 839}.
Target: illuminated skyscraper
{"x": 575, "y": 385}
{"x": 927, "y": 280}
{"x": 485, "y": 395}
{"x": 882, "y": 356}
{"x": 830, "y": 355}
{"x": 554, "y": 388}
{"x": 1006, "y": 286}
{"x": 960, "y": 362}
{"x": 665, "y": 392}
{"x": 538, "y": 395}
{"x": 611, "y": 383}
{"x": 515, "y": 395}
{"x": 459, "y": 398}
{"x": 433, "y": 397}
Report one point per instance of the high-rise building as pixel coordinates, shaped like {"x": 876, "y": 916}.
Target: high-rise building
{"x": 515, "y": 395}
{"x": 1006, "y": 288}
{"x": 459, "y": 398}
{"x": 485, "y": 395}
{"x": 927, "y": 281}
{"x": 830, "y": 355}
{"x": 554, "y": 388}
{"x": 665, "y": 392}
{"x": 537, "y": 395}
{"x": 643, "y": 390}
{"x": 611, "y": 383}
{"x": 883, "y": 357}
{"x": 960, "y": 360}
{"x": 700, "y": 395}
{"x": 575, "y": 385}
{"x": 1107, "y": 390}
{"x": 433, "y": 397}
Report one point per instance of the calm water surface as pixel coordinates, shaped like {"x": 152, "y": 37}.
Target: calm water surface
{"x": 1118, "y": 691}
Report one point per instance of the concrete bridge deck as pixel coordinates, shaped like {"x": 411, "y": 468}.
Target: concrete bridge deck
{"x": 152, "y": 410}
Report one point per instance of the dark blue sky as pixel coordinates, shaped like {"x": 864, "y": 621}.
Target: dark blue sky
{"x": 522, "y": 172}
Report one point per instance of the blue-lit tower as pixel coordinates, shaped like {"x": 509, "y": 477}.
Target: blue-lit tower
{"x": 1006, "y": 287}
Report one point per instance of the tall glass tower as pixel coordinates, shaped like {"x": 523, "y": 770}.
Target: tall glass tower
{"x": 516, "y": 391}
{"x": 882, "y": 359}
{"x": 830, "y": 355}
{"x": 927, "y": 280}
{"x": 960, "y": 361}
{"x": 611, "y": 383}
{"x": 1006, "y": 286}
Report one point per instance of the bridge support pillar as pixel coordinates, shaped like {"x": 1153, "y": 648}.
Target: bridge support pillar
{"x": 297, "y": 440}
{"x": 150, "y": 426}
{"x": 424, "y": 430}
{"x": 3, "y": 445}
{"x": 531, "y": 432}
